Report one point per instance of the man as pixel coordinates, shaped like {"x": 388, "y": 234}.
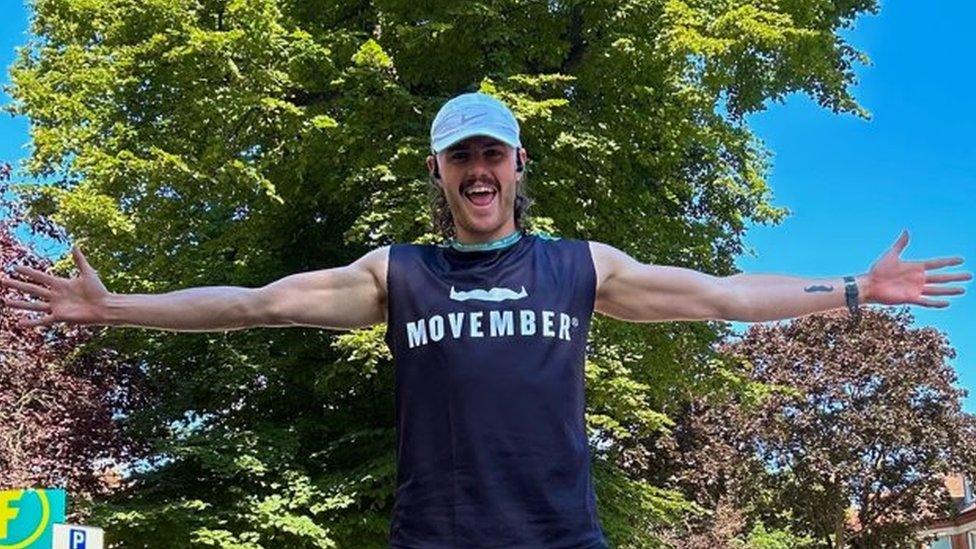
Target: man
{"x": 488, "y": 333}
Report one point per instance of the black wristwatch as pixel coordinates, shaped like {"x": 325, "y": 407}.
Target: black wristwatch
{"x": 850, "y": 292}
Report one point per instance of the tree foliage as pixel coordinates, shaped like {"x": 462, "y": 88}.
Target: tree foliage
{"x": 59, "y": 392}
{"x": 851, "y": 437}
{"x": 233, "y": 142}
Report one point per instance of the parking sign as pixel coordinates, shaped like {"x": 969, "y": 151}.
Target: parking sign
{"x": 72, "y": 536}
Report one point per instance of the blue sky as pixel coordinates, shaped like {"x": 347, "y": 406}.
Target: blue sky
{"x": 851, "y": 184}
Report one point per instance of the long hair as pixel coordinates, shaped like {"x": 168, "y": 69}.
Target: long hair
{"x": 443, "y": 221}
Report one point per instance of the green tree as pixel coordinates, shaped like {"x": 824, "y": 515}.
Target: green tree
{"x": 233, "y": 142}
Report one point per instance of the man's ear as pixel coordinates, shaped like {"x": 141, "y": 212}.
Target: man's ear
{"x": 432, "y": 168}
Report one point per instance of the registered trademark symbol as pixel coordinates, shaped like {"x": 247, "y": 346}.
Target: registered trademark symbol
{"x": 575, "y": 322}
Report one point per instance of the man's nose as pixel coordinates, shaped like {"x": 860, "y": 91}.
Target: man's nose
{"x": 479, "y": 166}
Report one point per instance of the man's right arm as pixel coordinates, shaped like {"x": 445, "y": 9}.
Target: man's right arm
{"x": 344, "y": 298}
{"x": 352, "y": 296}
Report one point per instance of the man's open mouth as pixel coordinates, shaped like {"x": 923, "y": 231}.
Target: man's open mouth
{"x": 480, "y": 194}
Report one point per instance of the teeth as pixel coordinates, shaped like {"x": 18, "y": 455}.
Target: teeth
{"x": 479, "y": 190}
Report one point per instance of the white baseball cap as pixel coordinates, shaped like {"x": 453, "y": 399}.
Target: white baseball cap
{"x": 473, "y": 114}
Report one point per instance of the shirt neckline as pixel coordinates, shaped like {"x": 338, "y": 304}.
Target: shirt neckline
{"x": 498, "y": 244}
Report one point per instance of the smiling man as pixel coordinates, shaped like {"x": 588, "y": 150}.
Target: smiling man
{"x": 488, "y": 333}
{"x": 477, "y": 163}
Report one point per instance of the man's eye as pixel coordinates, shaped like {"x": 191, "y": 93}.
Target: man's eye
{"x": 459, "y": 156}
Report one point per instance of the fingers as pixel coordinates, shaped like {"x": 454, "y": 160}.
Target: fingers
{"x": 26, "y": 287}
{"x": 901, "y": 243}
{"x": 45, "y": 320}
{"x": 954, "y": 277}
{"x": 942, "y": 290}
{"x": 931, "y": 303}
{"x": 28, "y": 305}
{"x": 35, "y": 275}
{"x": 80, "y": 260}
{"x": 942, "y": 262}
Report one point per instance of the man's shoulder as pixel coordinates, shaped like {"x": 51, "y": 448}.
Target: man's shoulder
{"x": 606, "y": 250}
{"x": 375, "y": 261}
{"x": 602, "y": 249}
{"x": 607, "y": 259}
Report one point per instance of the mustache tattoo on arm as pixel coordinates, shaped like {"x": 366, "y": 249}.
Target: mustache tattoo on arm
{"x": 818, "y": 288}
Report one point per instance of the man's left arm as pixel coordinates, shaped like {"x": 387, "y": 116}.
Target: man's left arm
{"x": 630, "y": 290}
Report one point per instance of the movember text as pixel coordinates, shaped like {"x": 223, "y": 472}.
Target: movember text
{"x": 474, "y": 324}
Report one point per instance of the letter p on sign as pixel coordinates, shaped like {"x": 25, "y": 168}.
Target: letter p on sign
{"x": 76, "y": 539}
{"x": 72, "y": 536}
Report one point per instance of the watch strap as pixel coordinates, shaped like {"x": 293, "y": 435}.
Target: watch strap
{"x": 851, "y": 294}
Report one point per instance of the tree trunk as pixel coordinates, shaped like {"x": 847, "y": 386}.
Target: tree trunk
{"x": 839, "y": 530}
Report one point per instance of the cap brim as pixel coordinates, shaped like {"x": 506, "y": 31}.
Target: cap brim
{"x": 446, "y": 142}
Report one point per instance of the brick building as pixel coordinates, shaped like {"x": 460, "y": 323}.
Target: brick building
{"x": 958, "y": 532}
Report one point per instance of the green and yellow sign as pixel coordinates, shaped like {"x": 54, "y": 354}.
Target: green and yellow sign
{"x": 27, "y": 517}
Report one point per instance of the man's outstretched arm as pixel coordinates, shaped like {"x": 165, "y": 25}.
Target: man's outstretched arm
{"x": 630, "y": 290}
{"x": 346, "y": 297}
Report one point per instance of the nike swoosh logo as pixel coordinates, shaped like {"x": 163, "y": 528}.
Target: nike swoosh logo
{"x": 494, "y": 294}
{"x": 465, "y": 119}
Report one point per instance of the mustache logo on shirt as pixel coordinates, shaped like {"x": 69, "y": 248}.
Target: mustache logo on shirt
{"x": 494, "y": 294}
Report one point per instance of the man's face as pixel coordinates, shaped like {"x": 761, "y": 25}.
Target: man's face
{"x": 479, "y": 180}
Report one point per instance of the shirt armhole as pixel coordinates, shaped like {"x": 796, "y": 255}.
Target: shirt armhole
{"x": 591, "y": 273}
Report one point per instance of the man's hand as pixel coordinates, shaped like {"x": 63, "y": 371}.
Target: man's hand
{"x": 892, "y": 281}
{"x": 78, "y": 300}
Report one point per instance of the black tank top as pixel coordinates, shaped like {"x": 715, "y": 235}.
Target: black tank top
{"x": 489, "y": 349}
